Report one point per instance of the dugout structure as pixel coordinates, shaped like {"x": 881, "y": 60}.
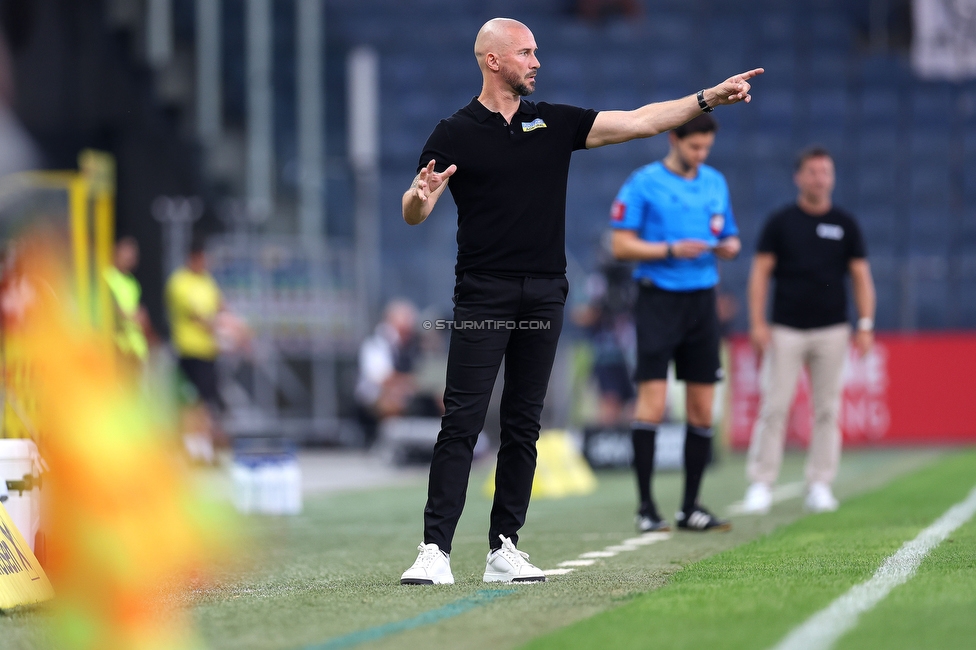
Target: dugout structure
{"x": 78, "y": 205}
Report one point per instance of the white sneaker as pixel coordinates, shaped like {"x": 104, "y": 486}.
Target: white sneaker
{"x": 758, "y": 499}
{"x": 431, "y": 568}
{"x": 508, "y": 564}
{"x": 820, "y": 498}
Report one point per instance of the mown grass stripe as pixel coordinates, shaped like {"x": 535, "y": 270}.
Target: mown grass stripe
{"x": 822, "y": 630}
{"x": 753, "y": 596}
{"x": 458, "y": 607}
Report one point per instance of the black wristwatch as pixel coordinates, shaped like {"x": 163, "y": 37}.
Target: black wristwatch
{"x": 670, "y": 252}
{"x": 702, "y": 103}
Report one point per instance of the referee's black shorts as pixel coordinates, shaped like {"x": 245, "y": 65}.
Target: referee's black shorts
{"x": 679, "y": 325}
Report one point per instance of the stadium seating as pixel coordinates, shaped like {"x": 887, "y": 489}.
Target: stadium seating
{"x": 905, "y": 149}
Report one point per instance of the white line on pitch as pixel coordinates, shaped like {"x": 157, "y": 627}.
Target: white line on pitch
{"x": 593, "y": 554}
{"x": 824, "y": 628}
{"x": 577, "y": 563}
{"x": 589, "y": 559}
{"x": 647, "y": 538}
{"x": 780, "y": 493}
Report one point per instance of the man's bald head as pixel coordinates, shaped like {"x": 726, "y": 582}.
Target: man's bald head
{"x": 497, "y": 35}
{"x": 504, "y": 39}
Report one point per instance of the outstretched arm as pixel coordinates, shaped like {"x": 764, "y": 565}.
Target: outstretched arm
{"x": 422, "y": 196}
{"x": 613, "y": 127}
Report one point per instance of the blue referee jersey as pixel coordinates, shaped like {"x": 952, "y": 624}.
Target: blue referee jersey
{"x": 664, "y": 207}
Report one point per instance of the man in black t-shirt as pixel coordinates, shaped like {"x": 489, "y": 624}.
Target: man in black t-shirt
{"x": 507, "y": 160}
{"x": 809, "y": 248}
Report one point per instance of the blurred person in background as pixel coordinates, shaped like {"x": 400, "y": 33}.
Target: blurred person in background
{"x": 507, "y": 162}
{"x": 808, "y": 247}
{"x": 133, "y": 329}
{"x": 674, "y": 218}
{"x": 388, "y": 362}
{"x": 193, "y": 303}
{"x": 608, "y": 320}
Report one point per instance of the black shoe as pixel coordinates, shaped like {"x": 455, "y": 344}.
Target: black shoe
{"x": 701, "y": 520}
{"x": 651, "y": 524}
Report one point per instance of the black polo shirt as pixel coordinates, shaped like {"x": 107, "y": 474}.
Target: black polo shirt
{"x": 510, "y": 184}
{"x": 813, "y": 256}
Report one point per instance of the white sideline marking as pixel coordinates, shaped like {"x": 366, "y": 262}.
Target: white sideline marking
{"x": 824, "y": 628}
{"x": 780, "y": 493}
{"x": 647, "y": 538}
{"x": 589, "y": 559}
{"x": 577, "y": 563}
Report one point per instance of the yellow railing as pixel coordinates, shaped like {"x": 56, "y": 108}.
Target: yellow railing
{"x": 89, "y": 220}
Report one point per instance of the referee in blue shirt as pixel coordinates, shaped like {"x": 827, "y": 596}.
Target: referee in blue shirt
{"x": 675, "y": 219}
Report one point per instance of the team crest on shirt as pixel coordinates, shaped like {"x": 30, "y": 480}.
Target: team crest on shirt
{"x": 716, "y": 224}
{"x": 617, "y": 211}
{"x": 830, "y": 231}
{"x": 537, "y": 123}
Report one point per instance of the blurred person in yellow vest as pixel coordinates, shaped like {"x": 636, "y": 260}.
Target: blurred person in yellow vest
{"x": 133, "y": 329}
{"x": 194, "y": 304}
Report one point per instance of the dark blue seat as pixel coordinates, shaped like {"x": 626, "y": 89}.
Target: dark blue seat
{"x": 932, "y": 304}
{"x": 879, "y": 226}
{"x": 828, "y": 108}
{"x": 930, "y": 183}
{"x": 879, "y": 108}
{"x": 929, "y": 231}
{"x": 877, "y": 183}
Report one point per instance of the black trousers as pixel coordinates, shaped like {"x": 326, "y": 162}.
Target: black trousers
{"x": 518, "y": 319}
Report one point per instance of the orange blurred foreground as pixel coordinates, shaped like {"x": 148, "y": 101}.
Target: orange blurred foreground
{"x": 123, "y": 524}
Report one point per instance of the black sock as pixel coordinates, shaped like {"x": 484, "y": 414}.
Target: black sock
{"x": 698, "y": 451}
{"x": 643, "y": 435}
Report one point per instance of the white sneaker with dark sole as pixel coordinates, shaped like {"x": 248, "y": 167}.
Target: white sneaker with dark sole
{"x": 649, "y": 524}
{"x": 508, "y": 564}
{"x": 433, "y": 567}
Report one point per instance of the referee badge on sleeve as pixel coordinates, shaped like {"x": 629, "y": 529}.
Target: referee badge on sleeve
{"x": 716, "y": 224}
{"x": 617, "y": 211}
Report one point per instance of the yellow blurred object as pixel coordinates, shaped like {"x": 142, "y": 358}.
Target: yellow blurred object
{"x": 122, "y": 521}
{"x": 22, "y": 580}
{"x": 560, "y": 471}
{"x": 193, "y": 302}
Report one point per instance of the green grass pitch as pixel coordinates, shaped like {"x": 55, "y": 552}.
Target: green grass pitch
{"x": 753, "y": 595}
{"x": 329, "y": 578}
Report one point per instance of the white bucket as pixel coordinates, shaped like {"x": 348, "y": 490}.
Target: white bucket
{"x": 20, "y": 466}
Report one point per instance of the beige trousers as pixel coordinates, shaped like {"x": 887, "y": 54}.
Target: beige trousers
{"x": 823, "y": 351}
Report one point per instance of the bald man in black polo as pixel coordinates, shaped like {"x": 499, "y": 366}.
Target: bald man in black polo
{"x": 507, "y": 160}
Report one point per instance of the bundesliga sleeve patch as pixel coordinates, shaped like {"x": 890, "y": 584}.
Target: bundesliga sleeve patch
{"x": 617, "y": 211}
{"x": 537, "y": 123}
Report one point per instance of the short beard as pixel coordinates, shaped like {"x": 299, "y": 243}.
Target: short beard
{"x": 518, "y": 85}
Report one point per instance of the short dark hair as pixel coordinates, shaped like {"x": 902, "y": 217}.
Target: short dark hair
{"x": 816, "y": 151}
{"x": 198, "y": 243}
{"x": 704, "y": 123}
